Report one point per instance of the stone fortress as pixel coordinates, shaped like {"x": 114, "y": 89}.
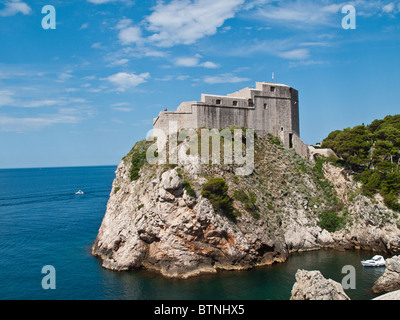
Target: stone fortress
{"x": 269, "y": 108}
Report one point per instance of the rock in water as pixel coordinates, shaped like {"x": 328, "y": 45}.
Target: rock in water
{"x": 157, "y": 218}
{"x": 311, "y": 285}
{"x": 390, "y": 281}
{"x": 153, "y": 223}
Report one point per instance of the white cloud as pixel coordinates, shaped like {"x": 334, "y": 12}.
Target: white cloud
{"x": 64, "y": 76}
{"x": 23, "y": 124}
{"x": 14, "y": 7}
{"x": 120, "y": 104}
{"x": 186, "y": 21}
{"x": 182, "y": 78}
{"x": 6, "y": 98}
{"x": 187, "y": 62}
{"x": 119, "y": 62}
{"x": 284, "y": 48}
{"x": 101, "y": 1}
{"x": 71, "y": 90}
{"x": 125, "y": 80}
{"x": 194, "y": 62}
{"x": 13, "y": 124}
{"x": 300, "y": 14}
{"x": 209, "y": 65}
{"x": 178, "y": 22}
{"x": 296, "y": 54}
{"x": 224, "y": 78}
{"x": 388, "y": 8}
{"x": 67, "y": 115}
{"x": 97, "y": 45}
{"x": 127, "y": 2}
{"x": 42, "y": 103}
{"x": 130, "y": 35}
{"x": 124, "y": 23}
{"x": 84, "y": 26}
{"x": 311, "y": 13}
{"x": 122, "y": 109}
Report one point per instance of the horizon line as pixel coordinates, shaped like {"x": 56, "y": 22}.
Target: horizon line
{"x": 62, "y": 167}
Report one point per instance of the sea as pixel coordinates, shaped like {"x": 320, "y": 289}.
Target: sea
{"x": 44, "y": 223}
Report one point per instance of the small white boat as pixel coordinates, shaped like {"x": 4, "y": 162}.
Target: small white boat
{"x": 376, "y": 261}
{"x": 79, "y": 192}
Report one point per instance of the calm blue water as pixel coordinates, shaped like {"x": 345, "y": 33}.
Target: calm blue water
{"x": 43, "y": 222}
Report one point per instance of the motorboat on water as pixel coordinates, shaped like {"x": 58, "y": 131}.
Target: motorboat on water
{"x": 79, "y": 192}
{"x": 376, "y": 261}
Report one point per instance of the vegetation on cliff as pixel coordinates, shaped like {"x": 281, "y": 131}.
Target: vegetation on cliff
{"x": 280, "y": 176}
{"x": 372, "y": 151}
{"x": 216, "y": 191}
{"x": 191, "y": 218}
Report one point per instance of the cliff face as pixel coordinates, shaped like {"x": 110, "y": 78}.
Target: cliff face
{"x": 370, "y": 225}
{"x": 155, "y": 223}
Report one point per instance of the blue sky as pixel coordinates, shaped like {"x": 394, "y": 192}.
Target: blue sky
{"x": 84, "y": 93}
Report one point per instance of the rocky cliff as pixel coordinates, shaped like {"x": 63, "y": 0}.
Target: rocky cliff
{"x": 161, "y": 221}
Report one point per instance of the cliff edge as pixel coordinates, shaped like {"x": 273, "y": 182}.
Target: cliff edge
{"x": 158, "y": 216}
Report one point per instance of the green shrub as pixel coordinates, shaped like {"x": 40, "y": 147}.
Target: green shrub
{"x": 241, "y": 196}
{"x": 373, "y": 151}
{"x": 275, "y": 140}
{"x": 189, "y": 189}
{"x": 216, "y": 191}
{"x": 249, "y": 201}
{"x": 330, "y": 221}
{"x": 137, "y": 157}
{"x": 138, "y": 160}
{"x": 392, "y": 201}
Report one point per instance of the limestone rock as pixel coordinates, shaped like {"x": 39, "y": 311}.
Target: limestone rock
{"x": 159, "y": 227}
{"x": 371, "y": 225}
{"x": 171, "y": 181}
{"x": 154, "y": 223}
{"x": 311, "y": 285}
{"x": 390, "y": 281}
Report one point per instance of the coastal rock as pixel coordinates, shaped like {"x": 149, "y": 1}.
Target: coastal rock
{"x": 311, "y": 285}
{"x": 162, "y": 222}
{"x": 390, "y": 281}
{"x": 370, "y": 224}
{"x": 156, "y": 225}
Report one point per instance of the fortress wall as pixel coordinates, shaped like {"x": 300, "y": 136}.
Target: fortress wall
{"x": 283, "y": 119}
{"x": 225, "y": 101}
{"x": 263, "y": 114}
{"x": 244, "y": 93}
{"x": 184, "y": 120}
{"x": 300, "y": 147}
{"x": 186, "y": 106}
{"x": 274, "y": 109}
{"x": 224, "y": 117}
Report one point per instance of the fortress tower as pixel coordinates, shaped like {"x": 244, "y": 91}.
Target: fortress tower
{"x": 269, "y": 108}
